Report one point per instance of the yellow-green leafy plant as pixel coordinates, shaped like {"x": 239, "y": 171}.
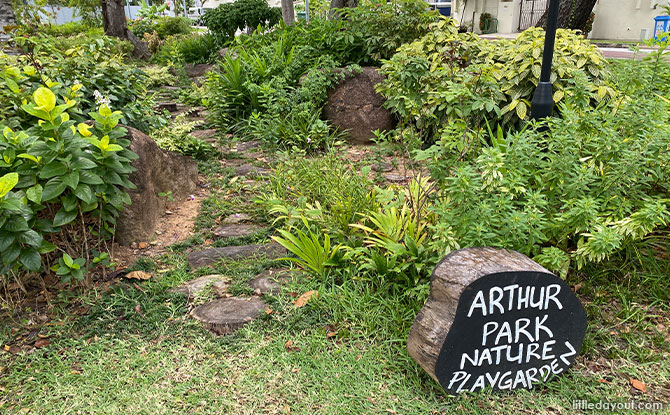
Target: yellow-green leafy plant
{"x": 63, "y": 184}
{"x": 448, "y": 79}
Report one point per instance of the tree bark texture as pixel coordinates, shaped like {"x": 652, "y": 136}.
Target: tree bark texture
{"x": 287, "y": 12}
{"x": 341, "y": 4}
{"x": 450, "y": 278}
{"x": 114, "y": 23}
{"x": 572, "y": 14}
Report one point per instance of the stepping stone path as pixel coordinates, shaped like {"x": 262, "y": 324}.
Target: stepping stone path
{"x": 396, "y": 178}
{"x": 226, "y": 315}
{"x": 194, "y": 288}
{"x": 211, "y": 256}
{"x": 270, "y": 281}
{"x": 251, "y": 170}
{"x": 237, "y": 218}
{"x": 382, "y": 167}
{"x": 205, "y": 135}
{"x": 236, "y": 230}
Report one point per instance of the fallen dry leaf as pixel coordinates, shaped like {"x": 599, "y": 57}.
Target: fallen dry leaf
{"x": 6, "y": 348}
{"x": 331, "y": 334}
{"x": 268, "y": 310}
{"x": 302, "y": 300}
{"x": 143, "y": 245}
{"x": 42, "y": 343}
{"x": 638, "y": 385}
{"x": 604, "y": 381}
{"x": 138, "y": 275}
{"x": 290, "y": 347}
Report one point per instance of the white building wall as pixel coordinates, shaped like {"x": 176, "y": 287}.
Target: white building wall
{"x": 624, "y": 19}
{"x": 464, "y": 11}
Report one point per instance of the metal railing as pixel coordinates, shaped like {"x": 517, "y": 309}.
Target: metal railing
{"x": 531, "y": 11}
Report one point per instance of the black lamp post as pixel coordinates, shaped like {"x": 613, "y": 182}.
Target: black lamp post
{"x": 542, "y": 104}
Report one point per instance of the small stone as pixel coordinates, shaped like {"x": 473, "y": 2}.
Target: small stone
{"x": 246, "y": 146}
{"x": 237, "y": 218}
{"x": 235, "y": 230}
{"x": 251, "y": 170}
{"x": 170, "y": 106}
{"x": 213, "y": 255}
{"x": 226, "y": 315}
{"x": 204, "y": 134}
{"x": 193, "y": 288}
{"x": 396, "y": 178}
{"x": 168, "y": 212}
{"x": 382, "y": 167}
{"x": 133, "y": 245}
{"x": 270, "y": 281}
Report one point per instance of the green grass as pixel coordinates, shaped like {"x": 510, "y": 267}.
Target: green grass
{"x": 135, "y": 350}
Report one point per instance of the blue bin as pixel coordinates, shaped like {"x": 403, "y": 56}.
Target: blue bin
{"x": 662, "y": 25}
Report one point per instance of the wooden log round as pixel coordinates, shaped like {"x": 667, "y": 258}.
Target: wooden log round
{"x": 226, "y": 315}
{"x": 457, "y": 278}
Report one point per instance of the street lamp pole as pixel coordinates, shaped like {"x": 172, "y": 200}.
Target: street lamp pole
{"x": 542, "y": 104}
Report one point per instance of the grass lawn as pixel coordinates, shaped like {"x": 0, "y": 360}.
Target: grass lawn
{"x": 132, "y": 349}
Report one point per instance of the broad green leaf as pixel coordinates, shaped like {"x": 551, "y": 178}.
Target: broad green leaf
{"x": 7, "y": 183}
{"x": 45, "y": 99}
{"x": 55, "y": 168}
{"x": 64, "y": 217}
{"x": 521, "y": 110}
{"x": 34, "y": 194}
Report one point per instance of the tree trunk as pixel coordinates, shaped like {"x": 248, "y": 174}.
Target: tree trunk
{"x": 287, "y": 12}
{"x": 114, "y": 22}
{"x": 340, "y": 4}
{"x": 572, "y": 14}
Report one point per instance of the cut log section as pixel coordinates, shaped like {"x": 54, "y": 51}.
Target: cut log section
{"x": 477, "y": 295}
{"x": 226, "y": 315}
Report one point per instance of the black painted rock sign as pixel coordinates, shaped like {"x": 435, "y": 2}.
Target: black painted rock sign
{"x": 495, "y": 319}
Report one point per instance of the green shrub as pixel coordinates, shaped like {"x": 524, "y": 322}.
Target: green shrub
{"x": 227, "y": 18}
{"x": 69, "y": 29}
{"x": 175, "y": 137}
{"x": 385, "y": 26}
{"x": 448, "y": 77}
{"x": 163, "y": 26}
{"x": 159, "y": 76}
{"x": 63, "y": 184}
{"x": 198, "y": 49}
{"x": 596, "y": 182}
{"x": 105, "y": 77}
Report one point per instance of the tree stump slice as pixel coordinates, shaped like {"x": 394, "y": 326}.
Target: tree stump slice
{"x": 213, "y": 255}
{"x": 226, "y": 315}
{"x": 454, "y": 286}
{"x": 195, "y": 287}
{"x": 270, "y": 281}
{"x": 236, "y": 230}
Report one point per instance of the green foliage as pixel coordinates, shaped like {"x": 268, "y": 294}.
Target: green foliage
{"x": 103, "y": 78}
{"x": 159, "y": 76}
{"x": 385, "y": 26}
{"x": 448, "y": 78}
{"x": 60, "y": 180}
{"x": 227, "y": 18}
{"x": 594, "y": 184}
{"x": 175, "y": 137}
{"x": 198, "y": 48}
{"x": 69, "y": 29}
{"x": 164, "y": 26}
{"x": 313, "y": 255}
{"x": 325, "y": 190}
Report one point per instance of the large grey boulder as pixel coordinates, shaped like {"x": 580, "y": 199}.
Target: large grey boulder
{"x": 354, "y": 105}
{"x": 157, "y": 171}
